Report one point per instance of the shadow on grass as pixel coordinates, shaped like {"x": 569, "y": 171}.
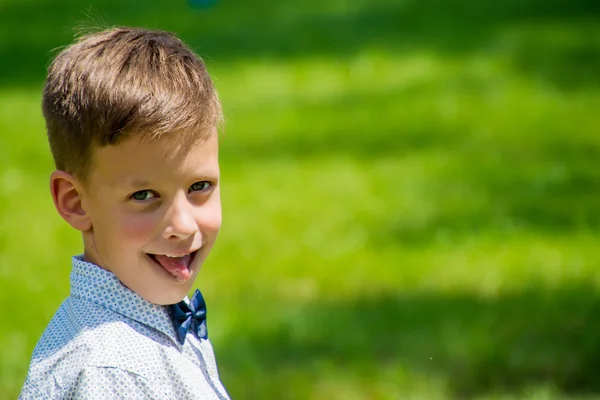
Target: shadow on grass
{"x": 503, "y": 190}
{"x": 480, "y": 346}
{"x": 267, "y": 29}
{"x": 364, "y": 126}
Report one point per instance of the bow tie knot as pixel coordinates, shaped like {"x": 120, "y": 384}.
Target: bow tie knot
{"x": 190, "y": 316}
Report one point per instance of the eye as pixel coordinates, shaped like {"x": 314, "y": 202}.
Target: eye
{"x": 143, "y": 195}
{"x": 200, "y": 186}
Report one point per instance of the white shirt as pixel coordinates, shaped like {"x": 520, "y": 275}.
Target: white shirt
{"x": 106, "y": 342}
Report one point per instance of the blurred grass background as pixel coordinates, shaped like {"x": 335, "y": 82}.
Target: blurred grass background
{"x": 410, "y": 193}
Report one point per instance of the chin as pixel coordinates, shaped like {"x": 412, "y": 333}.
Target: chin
{"x": 163, "y": 293}
{"x": 170, "y": 295}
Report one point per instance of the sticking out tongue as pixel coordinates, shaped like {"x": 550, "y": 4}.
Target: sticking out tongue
{"x": 178, "y": 267}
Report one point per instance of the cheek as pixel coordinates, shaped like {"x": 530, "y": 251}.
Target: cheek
{"x": 136, "y": 227}
{"x": 211, "y": 218}
{"x": 214, "y": 223}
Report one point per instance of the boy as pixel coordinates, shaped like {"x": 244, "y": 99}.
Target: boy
{"x": 131, "y": 117}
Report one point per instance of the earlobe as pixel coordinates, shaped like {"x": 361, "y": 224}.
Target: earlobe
{"x": 67, "y": 196}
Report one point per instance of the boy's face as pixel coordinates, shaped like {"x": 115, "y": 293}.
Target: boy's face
{"x": 155, "y": 211}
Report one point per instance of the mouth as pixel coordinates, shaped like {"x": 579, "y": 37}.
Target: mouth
{"x": 178, "y": 265}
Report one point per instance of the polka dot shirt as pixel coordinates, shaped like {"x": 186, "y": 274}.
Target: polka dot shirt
{"x": 106, "y": 342}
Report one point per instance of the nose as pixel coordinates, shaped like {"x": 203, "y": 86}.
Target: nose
{"x": 180, "y": 218}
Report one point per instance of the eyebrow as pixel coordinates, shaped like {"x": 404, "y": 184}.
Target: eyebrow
{"x": 138, "y": 183}
{"x": 143, "y": 183}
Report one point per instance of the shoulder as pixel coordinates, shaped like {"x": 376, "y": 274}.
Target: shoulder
{"x": 85, "y": 342}
{"x": 78, "y": 332}
{"x": 93, "y": 382}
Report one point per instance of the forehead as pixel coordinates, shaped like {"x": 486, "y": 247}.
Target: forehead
{"x": 136, "y": 160}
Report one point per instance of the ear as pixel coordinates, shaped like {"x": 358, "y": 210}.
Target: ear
{"x": 67, "y": 195}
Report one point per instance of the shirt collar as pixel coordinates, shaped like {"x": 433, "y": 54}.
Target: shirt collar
{"x": 99, "y": 286}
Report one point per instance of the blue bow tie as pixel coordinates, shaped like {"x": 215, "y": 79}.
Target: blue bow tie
{"x": 190, "y": 317}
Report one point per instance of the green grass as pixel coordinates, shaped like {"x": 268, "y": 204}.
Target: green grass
{"x": 410, "y": 194}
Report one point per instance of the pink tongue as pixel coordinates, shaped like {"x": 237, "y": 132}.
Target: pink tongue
{"x": 178, "y": 267}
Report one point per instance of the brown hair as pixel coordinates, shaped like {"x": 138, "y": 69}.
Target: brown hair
{"x": 122, "y": 82}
